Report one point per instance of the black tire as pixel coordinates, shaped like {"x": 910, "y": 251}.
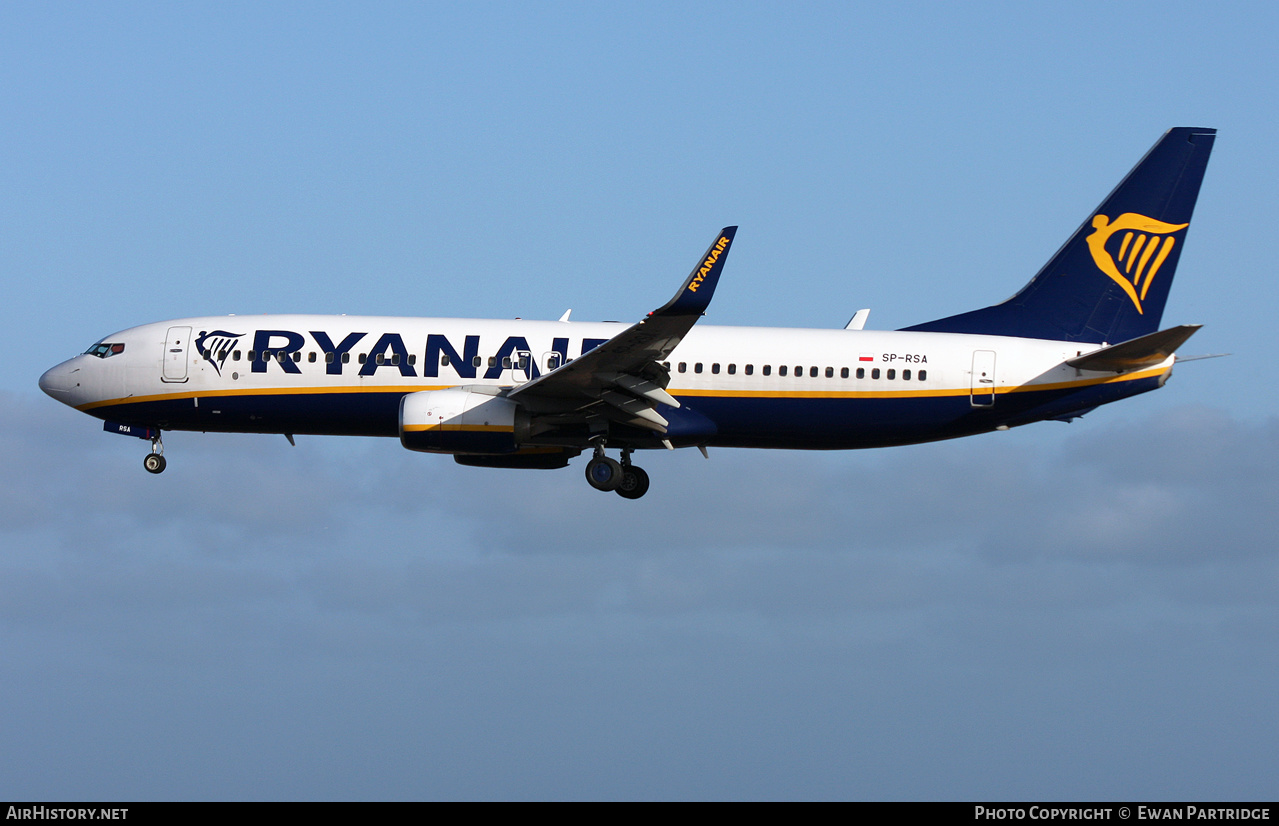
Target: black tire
{"x": 634, "y": 483}
{"x": 154, "y": 463}
{"x": 604, "y": 474}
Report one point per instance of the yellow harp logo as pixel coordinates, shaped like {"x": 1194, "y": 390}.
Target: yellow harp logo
{"x": 1141, "y": 247}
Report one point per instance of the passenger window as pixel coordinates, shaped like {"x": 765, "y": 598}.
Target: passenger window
{"x": 506, "y": 362}
{"x": 683, "y": 367}
{"x": 297, "y": 356}
{"x": 251, "y": 355}
{"x": 923, "y": 375}
{"x": 697, "y": 368}
{"x": 812, "y": 372}
{"x": 715, "y": 368}
{"x": 732, "y": 369}
{"x": 874, "y": 374}
{"x": 476, "y": 361}
{"x": 843, "y": 372}
{"x": 892, "y": 374}
{"x": 781, "y": 369}
{"x": 412, "y": 358}
{"x": 328, "y": 357}
{"x": 750, "y": 369}
{"x": 799, "y": 372}
{"x": 552, "y": 361}
{"x": 492, "y": 361}
{"x": 861, "y": 372}
{"x": 830, "y": 372}
{"x": 768, "y": 369}
{"x": 346, "y": 358}
{"x": 395, "y": 358}
{"x": 310, "y": 357}
{"x": 444, "y": 359}
{"x": 905, "y": 375}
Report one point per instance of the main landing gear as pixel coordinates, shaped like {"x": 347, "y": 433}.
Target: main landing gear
{"x": 603, "y": 473}
{"x": 154, "y": 461}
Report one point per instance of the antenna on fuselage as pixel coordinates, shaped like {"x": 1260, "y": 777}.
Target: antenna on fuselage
{"x": 858, "y": 321}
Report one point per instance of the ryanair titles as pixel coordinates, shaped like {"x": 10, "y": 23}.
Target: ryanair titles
{"x": 288, "y": 350}
{"x": 709, "y": 263}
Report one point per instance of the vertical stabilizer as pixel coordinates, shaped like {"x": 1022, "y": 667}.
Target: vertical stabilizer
{"x": 1110, "y": 281}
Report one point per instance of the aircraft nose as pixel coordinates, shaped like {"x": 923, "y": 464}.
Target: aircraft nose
{"x": 58, "y": 381}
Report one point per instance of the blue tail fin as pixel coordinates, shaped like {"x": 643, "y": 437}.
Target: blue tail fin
{"x": 1110, "y": 281}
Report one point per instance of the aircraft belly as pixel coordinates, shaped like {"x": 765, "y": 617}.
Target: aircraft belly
{"x": 338, "y": 414}
{"x": 851, "y": 422}
{"x": 839, "y": 423}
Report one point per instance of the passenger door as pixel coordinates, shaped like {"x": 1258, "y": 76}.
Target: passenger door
{"x": 983, "y": 392}
{"x": 176, "y": 345}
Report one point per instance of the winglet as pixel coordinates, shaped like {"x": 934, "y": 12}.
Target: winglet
{"x": 695, "y": 296}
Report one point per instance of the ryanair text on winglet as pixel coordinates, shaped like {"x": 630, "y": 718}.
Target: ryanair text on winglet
{"x": 711, "y": 258}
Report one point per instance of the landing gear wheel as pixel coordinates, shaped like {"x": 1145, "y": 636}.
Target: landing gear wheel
{"x": 154, "y": 463}
{"x": 634, "y": 482}
{"x": 604, "y": 473}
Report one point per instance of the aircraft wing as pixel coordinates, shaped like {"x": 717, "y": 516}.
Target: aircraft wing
{"x": 623, "y": 378}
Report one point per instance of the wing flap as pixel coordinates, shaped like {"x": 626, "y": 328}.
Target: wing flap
{"x": 636, "y": 409}
{"x": 645, "y": 389}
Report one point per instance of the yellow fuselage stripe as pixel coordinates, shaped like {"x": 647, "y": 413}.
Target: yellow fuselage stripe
{"x": 677, "y": 392}
{"x": 484, "y": 428}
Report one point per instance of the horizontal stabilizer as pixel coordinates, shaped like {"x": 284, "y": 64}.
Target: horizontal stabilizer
{"x": 1138, "y": 353}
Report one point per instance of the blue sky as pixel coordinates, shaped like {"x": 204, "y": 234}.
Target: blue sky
{"x": 1082, "y": 611}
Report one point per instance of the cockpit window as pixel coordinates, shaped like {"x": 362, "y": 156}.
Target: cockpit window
{"x": 105, "y": 350}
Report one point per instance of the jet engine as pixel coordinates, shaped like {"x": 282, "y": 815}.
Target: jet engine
{"x": 461, "y": 420}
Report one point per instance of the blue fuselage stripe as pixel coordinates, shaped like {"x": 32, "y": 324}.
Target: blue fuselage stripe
{"x": 729, "y": 421}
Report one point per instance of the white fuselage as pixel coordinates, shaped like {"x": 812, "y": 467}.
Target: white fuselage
{"x": 768, "y": 387}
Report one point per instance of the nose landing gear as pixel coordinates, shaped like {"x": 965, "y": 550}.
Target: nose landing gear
{"x": 630, "y": 481}
{"x": 154, "y": 461}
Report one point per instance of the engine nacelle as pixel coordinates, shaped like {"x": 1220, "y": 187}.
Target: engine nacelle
{"x": 460, "y": 421}
{"x": 528, "y": 458}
